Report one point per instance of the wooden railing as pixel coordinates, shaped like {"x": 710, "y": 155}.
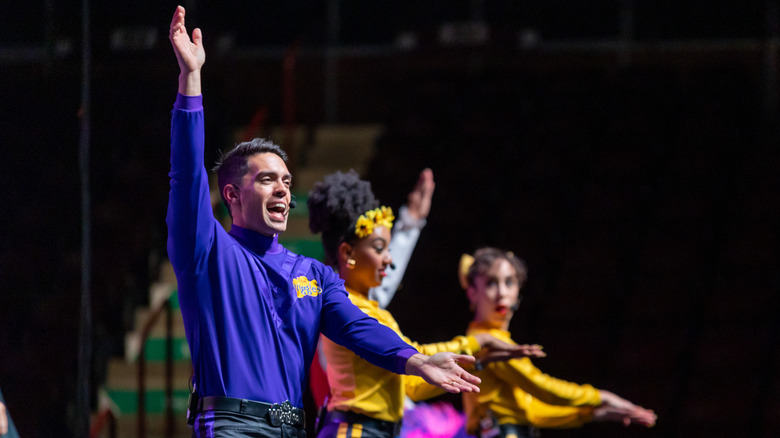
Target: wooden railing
{"x": 170, "y": 424}
{"x": 105, "y": 417}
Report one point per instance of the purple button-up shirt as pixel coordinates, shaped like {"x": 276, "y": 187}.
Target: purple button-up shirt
{"x": 252, "y": 331}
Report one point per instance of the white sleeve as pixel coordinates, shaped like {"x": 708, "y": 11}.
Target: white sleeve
{"x": 405, "y": 234}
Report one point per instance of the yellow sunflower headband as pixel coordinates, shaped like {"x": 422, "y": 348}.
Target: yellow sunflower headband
{"x": 378, "y": 217}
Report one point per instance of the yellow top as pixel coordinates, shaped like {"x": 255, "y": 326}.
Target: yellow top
{"x": 358, "y": 386}
{"x": 516, "y": 392}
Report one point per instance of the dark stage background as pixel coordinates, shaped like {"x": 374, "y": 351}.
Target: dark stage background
{"x": 628, "y": 150}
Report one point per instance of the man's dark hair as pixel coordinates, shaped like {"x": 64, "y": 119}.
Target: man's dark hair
{"x": 484, "y": 259}
{"x": 232, "y": 165}
{"x": 335, "y": 204}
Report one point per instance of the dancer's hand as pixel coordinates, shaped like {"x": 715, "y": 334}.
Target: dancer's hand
{"x": 617, "y": 409}
{"x": 419, "y": 199}
{"x": 493, "y": 349}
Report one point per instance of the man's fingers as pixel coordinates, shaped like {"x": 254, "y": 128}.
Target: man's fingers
{"x": 177, "y": 23}
{"x": 178, "y": 14}
{"x": 462, "y": 385}
{"x": 178, "y": 18}
{"x": 471, "y": 379}
{"x": 469, "y": 387}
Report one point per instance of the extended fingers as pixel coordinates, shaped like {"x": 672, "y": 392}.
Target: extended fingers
{"x": 534, "y": 350}
{"x": 464, "y": 383}
{"x": 644, "y": 417}
{"x": 177, "y": 22}
{"x": 425, "y": 184}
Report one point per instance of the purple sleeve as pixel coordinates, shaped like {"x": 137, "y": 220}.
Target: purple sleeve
{"x": 190, "y": 219}
{"x": 345, "y": 324}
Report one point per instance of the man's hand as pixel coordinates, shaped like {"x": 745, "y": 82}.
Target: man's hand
{"x": 493, "y": 349}
{"x": 620, "y": 410}
{"x": 419, "y": 200}
{"x": 443, "y": 370}
{"x": 189, "y": 54}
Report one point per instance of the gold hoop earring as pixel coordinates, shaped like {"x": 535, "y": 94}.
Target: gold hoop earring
{"x": 350, "y": 263}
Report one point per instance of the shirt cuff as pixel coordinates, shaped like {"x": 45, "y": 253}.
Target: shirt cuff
{"x": 472, "y": 345}
{"x": 401, "y": 358}
{"x": 406, "y": 222}
{"x": 188, "y": 103}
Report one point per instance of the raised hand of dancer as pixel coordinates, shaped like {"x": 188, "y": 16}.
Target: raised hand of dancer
{"x": 617, "y": 409}
{"x": 444, "y": 370}
{"x": 189, "y": 53}
{"x": 493, "y": 349}
{"x": 419, "y": 199}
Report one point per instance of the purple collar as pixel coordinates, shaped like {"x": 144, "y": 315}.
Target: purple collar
{"x": 256, "y": 242}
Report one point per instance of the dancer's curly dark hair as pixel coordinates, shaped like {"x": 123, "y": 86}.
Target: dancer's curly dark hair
{"x": 335, "y": 203}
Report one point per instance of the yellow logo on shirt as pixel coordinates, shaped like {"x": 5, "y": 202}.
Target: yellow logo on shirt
{"x": 305, "y": 287}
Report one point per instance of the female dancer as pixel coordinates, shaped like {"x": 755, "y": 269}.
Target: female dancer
{"x": 366, "y": 400}
{"x": 515, "y": 397}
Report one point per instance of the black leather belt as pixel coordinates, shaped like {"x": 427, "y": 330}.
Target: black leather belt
{"x": 276, "y": 413}
{"x": 365, "y": 420}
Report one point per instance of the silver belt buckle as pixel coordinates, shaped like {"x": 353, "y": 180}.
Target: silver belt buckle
{"x": 283, "y": 413}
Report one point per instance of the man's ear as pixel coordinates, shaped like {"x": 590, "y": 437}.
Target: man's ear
{"x": 230, "y": 193}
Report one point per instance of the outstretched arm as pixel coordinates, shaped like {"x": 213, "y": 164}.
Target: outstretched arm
{"x": 189, "y": 54}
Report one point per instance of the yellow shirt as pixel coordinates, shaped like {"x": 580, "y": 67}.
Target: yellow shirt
{"x": 517, "y": 392}
{"x": 357, "y": 385}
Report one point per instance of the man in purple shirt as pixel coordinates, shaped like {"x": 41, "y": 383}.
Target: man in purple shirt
{"x": 253, "y": 310}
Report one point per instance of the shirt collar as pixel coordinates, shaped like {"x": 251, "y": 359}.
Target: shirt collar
{"x": 482, "y": 327}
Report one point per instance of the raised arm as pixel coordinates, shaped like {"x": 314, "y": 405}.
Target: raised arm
{"x": 190, "y": 219}
{"x": 189, "y": 54}
{"x": 411, "y": 220}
